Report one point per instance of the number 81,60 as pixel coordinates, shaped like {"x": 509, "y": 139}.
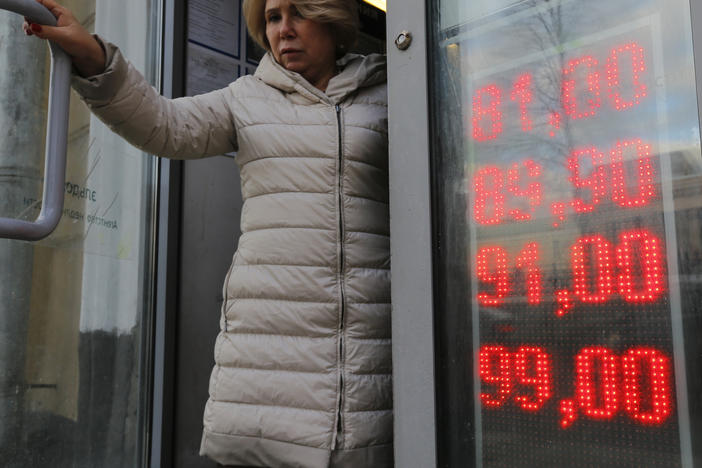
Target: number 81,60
{"x": 487, "y": 101}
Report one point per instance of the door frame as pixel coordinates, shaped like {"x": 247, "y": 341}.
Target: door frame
{"x": 411, "y": 234}
{"x": 167, "y": 248}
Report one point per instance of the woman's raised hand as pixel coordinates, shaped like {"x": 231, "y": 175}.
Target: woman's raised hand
{"x": 86, "y": 52}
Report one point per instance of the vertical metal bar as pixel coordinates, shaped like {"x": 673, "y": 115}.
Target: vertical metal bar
{"x": 147, "y": 273}
{"x": 687, "y": 441}
{"x": 676, "y": 317}
{"x": 696, "y": 15}
{"x": 411, "y": 246}
{"x": 167, "y": 255}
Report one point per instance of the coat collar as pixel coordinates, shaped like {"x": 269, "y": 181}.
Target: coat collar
{"x": 357, "y": 71}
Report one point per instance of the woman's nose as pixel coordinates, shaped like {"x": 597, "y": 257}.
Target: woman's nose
{"x": 287, "y": 28}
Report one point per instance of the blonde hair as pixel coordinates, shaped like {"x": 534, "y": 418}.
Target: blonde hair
{"x": 340, "y": 15}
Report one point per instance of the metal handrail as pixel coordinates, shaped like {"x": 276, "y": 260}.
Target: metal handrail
{"x": 56, "y": 133}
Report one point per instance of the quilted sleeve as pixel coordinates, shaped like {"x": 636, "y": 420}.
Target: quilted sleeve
{"x": 183, "y": 128}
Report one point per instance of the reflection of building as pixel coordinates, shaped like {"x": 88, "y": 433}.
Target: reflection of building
{"x": 590, "y": 77}
{"x": 556, "y": 236}
{"x": 687, "y": 190}
{"x": 608, "y": 220}
{"x": 70, "y": 327}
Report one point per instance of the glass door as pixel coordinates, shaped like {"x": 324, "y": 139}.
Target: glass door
{"x": 75, "y": 307}
{"x": 567, "y": 205}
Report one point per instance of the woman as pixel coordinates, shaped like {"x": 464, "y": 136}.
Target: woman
{"x": 302, "y": 374}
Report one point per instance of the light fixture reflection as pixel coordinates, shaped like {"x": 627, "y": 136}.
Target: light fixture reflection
{"x": 380, "y": 4}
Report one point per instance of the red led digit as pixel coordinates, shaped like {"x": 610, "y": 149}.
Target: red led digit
{"x": 489, "y": 205}
{"x": 528, "y": 259}
{"x": 532, "y": 368}
{"x": 495, "y": 358}
{"x": 640, "y": 258}
{"x": 596, "y": 181}
{"x": 592, "y": 253}
{"x": 532, "y": 192}
{"x": 493, "y": 258}
{"x": 558, "y": 210}
{"x": 521, "y": 92}
{"x": 554, "y": 120}
{"x": 564, "y": 299}
{"x": 570, "y": 93}
{"x": 645, "y": 188}
{"x": 596, "y": 371}
{"x": 638, "y": 67}
{"x": 647, "y": 390}
{"x": 487, "y": 117}
{"x": 569, "y": 413}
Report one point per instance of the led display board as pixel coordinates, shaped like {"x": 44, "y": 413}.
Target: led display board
{"x": 570, "y": 143}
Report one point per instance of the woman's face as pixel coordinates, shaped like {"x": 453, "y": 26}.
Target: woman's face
{"x": 299, "y": 44}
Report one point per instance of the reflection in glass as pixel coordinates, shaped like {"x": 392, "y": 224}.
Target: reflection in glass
{"x": 74, "y": 308}
{"x": 567, "y": 150}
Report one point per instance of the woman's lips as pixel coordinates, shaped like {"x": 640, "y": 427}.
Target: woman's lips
{"x": 290, "y": 51}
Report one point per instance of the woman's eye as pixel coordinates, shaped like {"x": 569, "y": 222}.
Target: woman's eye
{"x": 272, "y": 18}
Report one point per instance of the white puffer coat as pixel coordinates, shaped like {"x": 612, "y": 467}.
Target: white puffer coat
{"x": 302, "y": 374}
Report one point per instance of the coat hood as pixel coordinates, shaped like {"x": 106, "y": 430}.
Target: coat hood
{"x": 357, "y": 71}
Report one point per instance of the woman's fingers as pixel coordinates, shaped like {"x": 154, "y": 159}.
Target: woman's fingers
{"x": 65, "y": 29}
{"x": 63, "y": 15}
{"x": 85, "y": 51}
{"x": 53, "y": 7}
{"x": 42, "y": 31}
{"x": 34, "y": 29}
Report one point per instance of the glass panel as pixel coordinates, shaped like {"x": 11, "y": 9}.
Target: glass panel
{"x": 568, "y": 186}
{"x": 75, "y": 307}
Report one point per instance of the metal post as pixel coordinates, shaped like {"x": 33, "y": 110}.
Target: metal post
{"x": 410, "y": 231}
{"x": 167, "y": 259}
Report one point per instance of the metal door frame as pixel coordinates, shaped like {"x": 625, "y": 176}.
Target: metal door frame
{"x": 411, "y": 239}
{"x": 167, "y": 248}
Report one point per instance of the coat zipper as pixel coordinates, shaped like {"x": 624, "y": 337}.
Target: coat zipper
{"x": 340, "y": 187}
